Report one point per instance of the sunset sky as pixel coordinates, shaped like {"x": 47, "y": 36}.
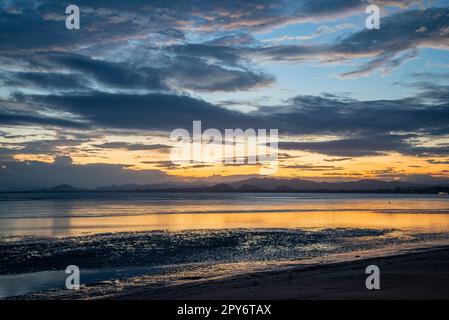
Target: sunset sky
{"x": 96, "y": 106}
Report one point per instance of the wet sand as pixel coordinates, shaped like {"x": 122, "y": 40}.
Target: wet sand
{"x": 418, "y": 275}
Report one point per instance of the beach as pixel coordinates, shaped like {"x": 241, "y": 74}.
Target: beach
{"x": 413, "y": 274}
{"x": 418, "y": 275}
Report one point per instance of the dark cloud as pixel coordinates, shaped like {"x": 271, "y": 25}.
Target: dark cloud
{"x": 338, "y": 159}
{"x": 113, "y": 75}
{"x": 366, "y": 126}
{"x": 217, "y": 52}
{"x": 41, "y": 25}
{"x": 33, "y": 174}
{"x": 370, "y": 145}
{"x": 40, "y": 29}
{"x": 26, "y": 25}
{"x": 425, "y": 179}
{"x": 219, "y": 64}
{"x": 42, "y": 146}
{"x": 429, "y": 151}
{"x": 319, "y": 115}
{"x": 56, "y": 71}
{"x": 310, "y": 167}
{"x": 43, "y": 80}
{"x": 197, "y": 74}
{"x": 397, "y": 40}
{"x": 163, "y": 164}
{"x": 23, "y": 24}
{"x": 73, "y": 72}
{"x": 151, "y": 111}
{"x": 432, "y": 92}
{"x": 433, "y": 161}
{"x": 353, "y": 147}
{"x": 132, "y": 146}
{"x": 23, "y": 119}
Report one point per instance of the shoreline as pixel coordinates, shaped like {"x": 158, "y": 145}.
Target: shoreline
{"x": 335, "y": 276}
{"x": 419, "y": 274}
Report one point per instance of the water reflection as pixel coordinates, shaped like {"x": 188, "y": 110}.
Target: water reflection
{"x": 78, "y": 214}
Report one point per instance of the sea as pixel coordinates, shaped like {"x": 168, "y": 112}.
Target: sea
{"x": 166, "y": 237}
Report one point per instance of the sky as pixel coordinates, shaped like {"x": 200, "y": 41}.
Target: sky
{"x": 96, "y": 106}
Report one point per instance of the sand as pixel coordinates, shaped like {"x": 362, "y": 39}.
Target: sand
{"x": 417, "y": 275}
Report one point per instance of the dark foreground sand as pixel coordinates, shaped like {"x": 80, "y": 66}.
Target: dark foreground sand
{"x": 422, "y": 275}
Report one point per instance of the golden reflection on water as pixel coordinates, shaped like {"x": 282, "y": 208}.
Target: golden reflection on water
{"x": 418, "y": 215}
{"x": 186, "y": 221}
{"x": 419, "y": 222}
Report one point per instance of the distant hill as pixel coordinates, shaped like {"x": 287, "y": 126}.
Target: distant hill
{"x": 146, "y": 187}
{"x": 248, "y": 187}
{"x": 270, "y": 185}
{"x": 65, "y": 188}
{"x": 222, "y": 187}
{"x": 307, "y": 185}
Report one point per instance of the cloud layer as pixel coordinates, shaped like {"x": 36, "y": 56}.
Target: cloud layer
{"x": 141, "y": 68}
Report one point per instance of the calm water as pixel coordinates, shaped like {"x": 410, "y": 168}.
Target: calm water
{"x": 67, "y": 214}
